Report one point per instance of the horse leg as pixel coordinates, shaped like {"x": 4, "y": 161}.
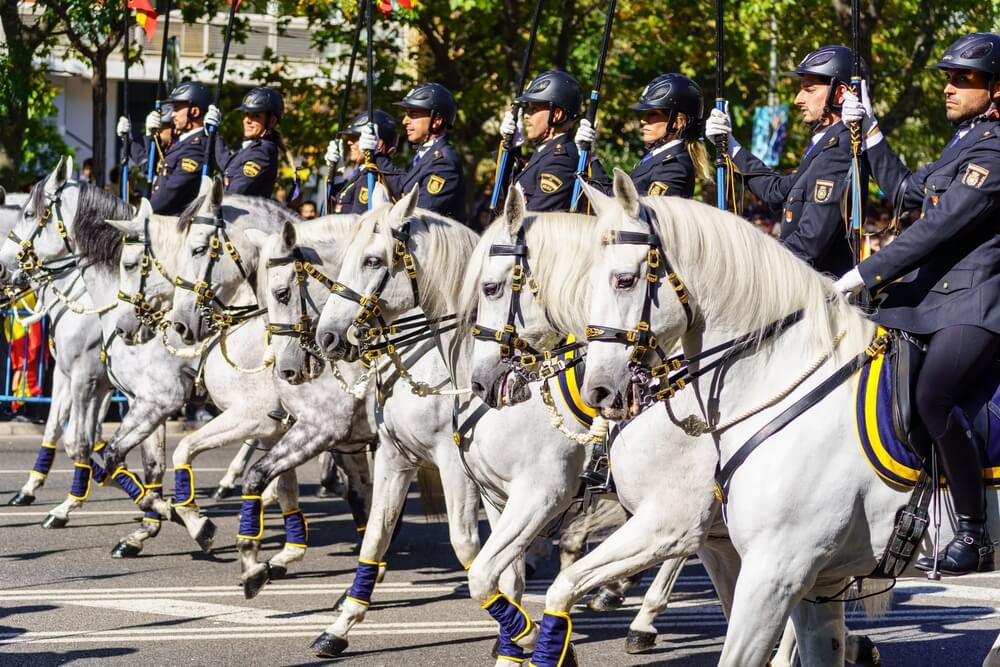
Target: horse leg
{"x": 392, "y": 477}
{"x": 461, "y": 500}
{"x": 358, "y": 489}
{"x": 154, "y": 457}
{"x": 285, "y": 490}
{"x": 820, "y": 628}
{"x": 227, "y": 485}
{"x": 641, "y": 632}
{"x": 59, "y": 411}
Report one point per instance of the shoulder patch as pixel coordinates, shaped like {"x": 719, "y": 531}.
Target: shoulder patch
{"x": 435, "y": 184}
{"x": 190, "y": 165}
{"x": 438, "y": 154}
{"x": 975, "y": 176}
{"x": 823, "y": 191}
{"x": 558, "y": 149}
{"x": 658, "y": 189}
{"x": 668, "y": 157}
{"x": 549, "y": 183}
{"x": 831, "y": 142}
{"x": 251, "y": 168}
{"x": 363, "y": 195}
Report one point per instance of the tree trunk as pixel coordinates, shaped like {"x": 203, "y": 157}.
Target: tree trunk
{"x": 566, "y": 32}
{"x": 98, "y": 94}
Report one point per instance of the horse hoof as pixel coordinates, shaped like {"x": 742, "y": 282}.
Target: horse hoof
{"x": 329, "y": 646}
{"x": 605, "y": 601}
{"x": 205, "y": 536}
{"x": 253, "y": 584}
{"x": 868, "y": 654}
{"x": 54, "y": 522}
{"x": 277, "y": 571}
{"x": 125, "y": 550}
{"x": 21, "y": 499}
{"x": 570, "y": 659}
{"x": 637, "y": 641}
{"x": 223, "y": 492}
{"x": 495, "y": 651}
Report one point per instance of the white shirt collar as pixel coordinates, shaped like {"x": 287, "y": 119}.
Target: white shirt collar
{"x": 660, "y": 149}
{"x": 191, "y": 133}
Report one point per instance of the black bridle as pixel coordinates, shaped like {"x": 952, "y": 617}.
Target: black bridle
{"x": 27, "y": 259}
{"x": 216, "y": 313}
{"x": 141, "y": 307}
{"x": 515, "y": 351}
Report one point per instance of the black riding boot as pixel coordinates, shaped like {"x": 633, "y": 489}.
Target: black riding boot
{"x": 597, "y": 474}
{"x": 971, "y": 550}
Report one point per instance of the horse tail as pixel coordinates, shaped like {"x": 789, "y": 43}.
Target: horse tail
{"x": 431, "y": 493}
{"x": 876, "y": 599}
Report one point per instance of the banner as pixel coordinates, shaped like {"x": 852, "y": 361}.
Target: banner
{"x": 770, "y": 125}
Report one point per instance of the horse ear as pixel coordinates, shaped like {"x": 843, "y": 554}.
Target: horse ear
{"x": 256, "y": 237}
{"x": 626, "y": 194}
{"x": 217, "y": 191}
{"x": 288, "y": 236}
{"x": 61, "y": 173}
{"x": 145, "y": 210}
{"x": 598, "y": 200}
{"x": 513, "y": 210}
{"x": 404, "y": 208}
{"x": 380, "y": 196}
{"x": 137, "y": 224}
{"x": 204, "y": 188}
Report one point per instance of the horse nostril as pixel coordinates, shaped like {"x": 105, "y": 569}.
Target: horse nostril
{"x": 478, "y": 389}
{"x": 330, "y": 341}
{"x": 598, "y": 395}
{"x": 180, "y": 328}
{"x": 288, "y": 374}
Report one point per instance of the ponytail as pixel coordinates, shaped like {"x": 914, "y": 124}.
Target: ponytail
{"x": 699, "y": 156}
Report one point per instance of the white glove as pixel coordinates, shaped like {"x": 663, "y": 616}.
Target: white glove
{"x": 850, "y": 283}
{"x": 586, "y": 134}
{"x": 720, "y": 127}
{"x": 860, "y": 110}
{"x": 213, "y": 116}
{"x": 513, "y": 128}
{"x": 333, "y": 153}
{"x": 153, "y": 122}
{"x": 368, "y": 141}
{"x": 124, "y": 127}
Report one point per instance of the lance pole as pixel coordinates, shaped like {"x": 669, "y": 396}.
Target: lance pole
{"x": 369, "y": 156}
{"x": 208, "y": 167}
{"x": 346, "y": 98}
{"x": 125, "y": 137}
{"x": 856, "y": 205}
{"x": 153, "y": 139}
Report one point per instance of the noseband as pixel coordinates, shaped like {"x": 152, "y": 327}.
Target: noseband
{"x": 142, "y": 308}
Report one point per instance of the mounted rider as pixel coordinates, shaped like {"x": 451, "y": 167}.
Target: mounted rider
{"x": 813, "y": 225}
{"x": 549, "y": 107}
{"x": 940, "y": 279}
{"x": 178, "y": 175}
{"x": 252, "y": 169}
{"x": 436, "y": 168}
{"x": 159, "y": 128}
{"x": 352, "y": 194}
{"x": 672, "y": 107}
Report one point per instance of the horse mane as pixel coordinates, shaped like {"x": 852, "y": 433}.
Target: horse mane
{"x": 441, "y": 248}
{"x": 233, "y": 208}
{"x": 315, "y": 239}
{"x": 166, "y": 242}
{"x": 558, "y": 244}
{"x": 97, "y": 241}
{"x": 744, "y": 280}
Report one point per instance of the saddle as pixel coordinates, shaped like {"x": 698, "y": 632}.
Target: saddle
{"x": 906, "y": 358}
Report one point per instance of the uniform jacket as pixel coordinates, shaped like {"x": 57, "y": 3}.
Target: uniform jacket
{"x": 352, "y": 195}
{"x": 812, "y": 225}
{"x": 547, "y": 178}
{"x": 178, "y": 175}
{"x": 439, "y": 174}
{"x": 948, "y": 262}
{"x": 667, "y": 173}
{"x": 250, "y": 170}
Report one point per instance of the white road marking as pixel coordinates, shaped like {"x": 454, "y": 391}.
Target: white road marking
{"x": 75, "y": 513}
{"x": 67, "y": 471}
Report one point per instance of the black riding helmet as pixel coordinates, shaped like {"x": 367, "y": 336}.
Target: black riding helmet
{"x": 675, "y": 93}
{"x": 831, "y": 62}
{"x": 264, "y": 100}
{"x": 193, "y": 93}
{"x": 432, "y": 97}
{"x": 557, "y": 89}
{"x": 979, "y": 51}
{"x": 385, "y": 124}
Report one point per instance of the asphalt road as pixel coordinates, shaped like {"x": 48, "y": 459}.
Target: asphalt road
{"x": 63, "y": 600}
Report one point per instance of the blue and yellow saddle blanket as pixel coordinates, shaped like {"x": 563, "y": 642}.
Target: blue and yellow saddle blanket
{"x": 892, "y": 459}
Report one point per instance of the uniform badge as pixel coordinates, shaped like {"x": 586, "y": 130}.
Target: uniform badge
{"x": 658, "y": 189}
{"x": 823, "y": 191}
{"x": 363, "y": 195}
{"x": 975, "y": 175}
{"x": 549, "y": 183}
{"x": 438, "y": 155}
{"x": 190, "y": 165}
{"x": 789, "y": 215}
{"x": 251, "y": 168}
{"x": 832, "y": 141}
{"x": 435, "y": 184}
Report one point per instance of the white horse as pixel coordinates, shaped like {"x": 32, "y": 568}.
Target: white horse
{"x": 804, "y": 511}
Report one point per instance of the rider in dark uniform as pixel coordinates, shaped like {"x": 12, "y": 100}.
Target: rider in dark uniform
{"x": 550, "y": 105}
{"x": 940, "y": 280}
{"x": 672, "y": 107}
{"x": 159, "y": 124}
{"x": 436, "y": 168}
{"x": 252, "y": 169}
{"x": 352, "y": 195}
{"x": 812, "y": 226}
{"x": 178, "y": 176}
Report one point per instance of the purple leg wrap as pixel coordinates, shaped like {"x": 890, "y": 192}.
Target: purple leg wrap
{"x": 364, "y": 582}
{"x": 100, "y": 474}
{"x": 80, "y": 488}
{"x": 296, "y": 529}
{"x": 183, "y": 485}
{"x": 43, "y": 462}
{"x": 251, "y": 518}
{"x": 130, "y": 484}
{"x": 553, "y": 640}
{"x": 514, "y": 624}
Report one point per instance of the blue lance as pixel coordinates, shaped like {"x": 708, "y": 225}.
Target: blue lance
{"x": 346, "y": 99}
{"x": 595, "y": 94}
{"x": 125, "y": 136}
{"x": 153, "y": 140}
{"x": 503, "y": 154}
{"x": 721, "y": 149}
{"x": 856, "y": 213}
{"x": 369, "y": 156}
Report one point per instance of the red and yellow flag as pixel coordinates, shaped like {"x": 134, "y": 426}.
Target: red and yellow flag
{"x": 386, "y": 6}
{"x": 145, "y": 15}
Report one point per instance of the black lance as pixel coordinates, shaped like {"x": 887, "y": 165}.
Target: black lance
{"x": 154, "y": 139}
{"x": 207, "y": 168}
{"x": 500, "y": 179}
{"x": 126, "y": 136}
{"x": 720, "y": 103}
{"x": 370, "y": 167}
{"x": 855, "y": 173}
{"x": 595, "y": 95}
{"x": 346, "y": 99}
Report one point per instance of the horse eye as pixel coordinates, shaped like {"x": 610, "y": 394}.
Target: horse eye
{"x": 198, "y": 252}
{"x": 623, "y": 281}
{"x": 282, "y": 295}
{"x": 373, "y": 263}
{"x": 491, "y": 290}
{"x": 130, "y": 266}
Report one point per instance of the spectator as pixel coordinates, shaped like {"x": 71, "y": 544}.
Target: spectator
{"x": 308, "y": 210}
{"x": 87, "y": 171}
